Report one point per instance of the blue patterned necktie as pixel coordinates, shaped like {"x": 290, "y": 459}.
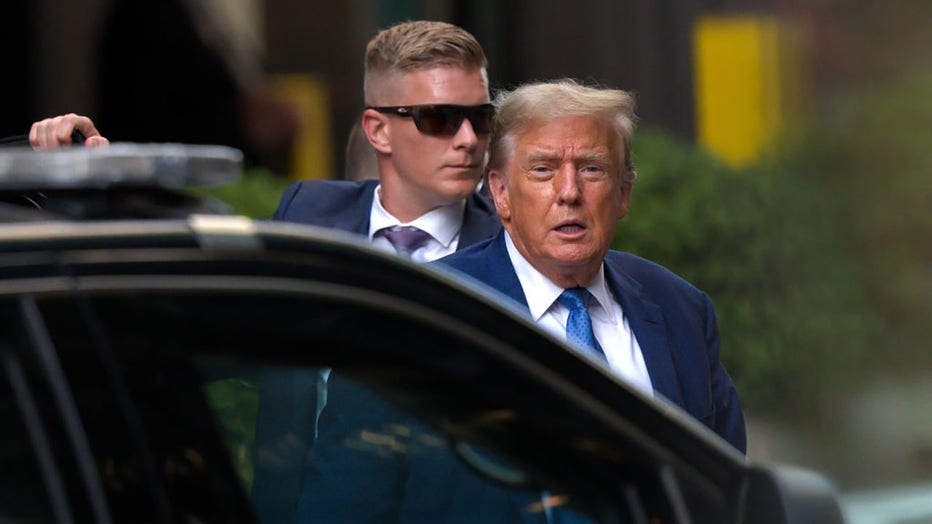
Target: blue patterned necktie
{"x": 578, "y": 324}
{"x": 406, "y": 240}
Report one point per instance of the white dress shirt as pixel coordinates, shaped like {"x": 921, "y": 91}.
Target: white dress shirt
{"x": 609, "y": 323}
{"x": 442, "y": 224}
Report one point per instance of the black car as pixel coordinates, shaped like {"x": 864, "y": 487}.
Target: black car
{"x": 134, "y": 353}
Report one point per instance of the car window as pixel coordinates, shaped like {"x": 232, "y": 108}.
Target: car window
{"x": 365, "y": 458}
{"x": 329, "y": 439}
{"x": 132, "y": 436}
{"x": 23, "y": 495}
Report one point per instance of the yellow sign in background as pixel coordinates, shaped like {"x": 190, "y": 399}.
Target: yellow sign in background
{"x": 749, "y": 77}
{"x": 312, "y": 155}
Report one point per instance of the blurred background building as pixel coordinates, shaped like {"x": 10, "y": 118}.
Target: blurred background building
{"x": 81, "y": 56}
{"x": 783, "y": 161}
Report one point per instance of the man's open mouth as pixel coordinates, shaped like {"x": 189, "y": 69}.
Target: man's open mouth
{"x": 570, "y": 228}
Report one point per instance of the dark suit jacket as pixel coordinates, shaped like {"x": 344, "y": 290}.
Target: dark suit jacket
{"x": 288, "y": 400}
{"x": 342, "y": 205}
{"x": 673, "y": 321}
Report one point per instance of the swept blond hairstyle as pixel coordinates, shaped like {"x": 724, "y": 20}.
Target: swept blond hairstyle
{"x": 539, "y": 102}
{"x": 417, "y": 45}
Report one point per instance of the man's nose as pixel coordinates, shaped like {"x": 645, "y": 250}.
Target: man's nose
{"x": 465, "y": 137}
{"x": 566, "y": 184}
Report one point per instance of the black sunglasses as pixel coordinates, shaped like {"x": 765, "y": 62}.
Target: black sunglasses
{"x": 444, "y": 119}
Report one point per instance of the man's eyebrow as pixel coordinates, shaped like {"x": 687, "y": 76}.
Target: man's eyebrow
{"x": 542, "y": 156}
{"x": 596, "y": 157}
{"x": 589, "y": 156}
{"x": 593, "y": 157}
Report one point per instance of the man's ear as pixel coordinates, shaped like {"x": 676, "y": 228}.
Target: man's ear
{"x": 378, "y": 130}
{"x": 499, "y": 190}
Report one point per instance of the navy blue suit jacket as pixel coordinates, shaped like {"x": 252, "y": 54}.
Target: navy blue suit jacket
{"x": 343, "y": 205}
{"x": 673, "y": 321}
{"x": 288, "y": 400}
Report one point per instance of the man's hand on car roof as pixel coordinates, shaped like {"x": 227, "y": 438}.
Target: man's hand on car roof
{"x": 58, "y": 131}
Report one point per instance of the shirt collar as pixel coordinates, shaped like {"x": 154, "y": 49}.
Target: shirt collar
{"x": 443, "y": 223}
{"x": 541, "y": 292}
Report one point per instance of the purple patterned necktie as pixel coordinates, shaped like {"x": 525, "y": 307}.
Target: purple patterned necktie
{"x": 406, "y": 240}
{"x": 578, "y": 324}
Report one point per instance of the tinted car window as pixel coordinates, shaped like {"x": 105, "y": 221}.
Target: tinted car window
{"x": 371, "y": 460}
{"x": 22, "y": 490}
{"x": 447, "y": 450}
{"x": 133, "y": 435}
{"x": 377, "y": 452}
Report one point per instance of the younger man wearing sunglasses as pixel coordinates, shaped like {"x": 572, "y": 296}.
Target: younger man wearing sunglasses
{"x": 427, "y": 117}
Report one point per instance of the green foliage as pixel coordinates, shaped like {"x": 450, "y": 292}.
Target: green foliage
{"x": 882, "y": 171}
{"x": 767, "y": 244}
{"x": 255, "y": 195}
{"x": 817, "y": 259}
{"x": 235, "y": 403}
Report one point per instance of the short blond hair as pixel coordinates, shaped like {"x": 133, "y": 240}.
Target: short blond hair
{"x": 418, "y": 45}
{"x": 540, "y": 102}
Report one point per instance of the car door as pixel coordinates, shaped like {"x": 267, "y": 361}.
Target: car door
{"x": 226, "y": 370}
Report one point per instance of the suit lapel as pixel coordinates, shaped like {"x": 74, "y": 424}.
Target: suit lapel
{"x": 499, "y": 271}
{"x": 354, "y": 217}
{"x": 480, "y": 222}
{"x": 647, "y": 323}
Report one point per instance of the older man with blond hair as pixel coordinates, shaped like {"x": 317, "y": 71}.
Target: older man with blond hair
{"x": 561, "y": 175}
